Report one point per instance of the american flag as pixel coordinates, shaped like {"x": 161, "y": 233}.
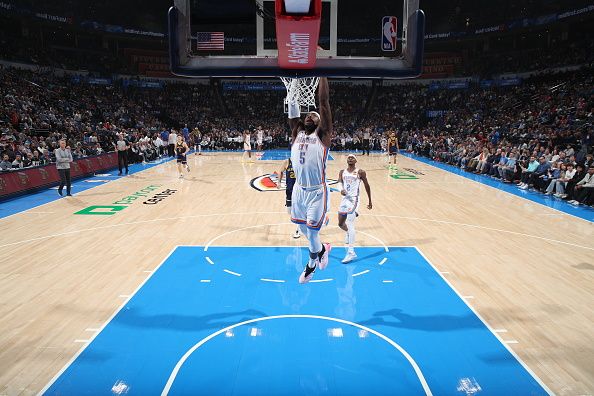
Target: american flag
{"x": 211, "y": 41}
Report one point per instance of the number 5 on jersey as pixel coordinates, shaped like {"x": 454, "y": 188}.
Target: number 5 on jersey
{"x": 302, "y": 151}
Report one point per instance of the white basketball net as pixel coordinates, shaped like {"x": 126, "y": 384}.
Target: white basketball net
{"x": 301, "y": 91}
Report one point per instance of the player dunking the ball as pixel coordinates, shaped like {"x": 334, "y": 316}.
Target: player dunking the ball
{"x": 311, "y": 142}
{"x": 351, "y": 179}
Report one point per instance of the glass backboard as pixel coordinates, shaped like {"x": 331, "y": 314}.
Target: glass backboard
{"x": 237, "y": 38}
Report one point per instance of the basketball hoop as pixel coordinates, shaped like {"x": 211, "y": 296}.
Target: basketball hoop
{"x": 301, "y": 91}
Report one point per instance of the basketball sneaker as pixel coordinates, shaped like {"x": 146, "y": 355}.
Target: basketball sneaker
{"x": 188, "y": 168}
{"x": 307, "y": 274}
{"x": 350, "y": 256}
{"x": 297, "y": 234}
{"x": 325, "y": 255}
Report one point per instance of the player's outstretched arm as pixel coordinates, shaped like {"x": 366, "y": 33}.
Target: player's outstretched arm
{"x": 294, "y": 114}
{"x": 295, "y": 124}
{"x": 363, "y": 177}
{"x": 325, "y": 127}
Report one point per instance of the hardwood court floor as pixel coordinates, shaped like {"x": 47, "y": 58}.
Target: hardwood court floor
{"x": 528, "y": 270}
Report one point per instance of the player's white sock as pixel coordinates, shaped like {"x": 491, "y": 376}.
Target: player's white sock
{"x": 315, "y": 245}
{"x": 351, "y": 236}
{"x": 313, "y": 259}
{"x": 313, "y": 236}
{"x": 351, "y": 233}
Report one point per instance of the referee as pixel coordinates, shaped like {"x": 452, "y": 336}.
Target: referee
{"x": 122, "y": 147}
{"x": 366, "y": 140}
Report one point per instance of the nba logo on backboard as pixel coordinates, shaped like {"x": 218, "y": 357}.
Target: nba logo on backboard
{"x": 389, "y": 24}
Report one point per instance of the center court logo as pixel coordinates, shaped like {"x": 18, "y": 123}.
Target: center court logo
{"x": 117, "y": 206}
{"x": 268, "y": 183}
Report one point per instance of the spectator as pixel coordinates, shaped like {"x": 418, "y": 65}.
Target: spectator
{"x": 570, "y": 187}
{"x": 584, "y": 189}
{"x": 37, "y": 159}
{"x": 588, "y": 161}
{"x": 537, "y": 177}
{"x": 556, "y": 172}
{"x": 509, "y": 170}
{"x": 18, "y": 162}
{"x": 528, "y": 171}
{"x": 561, "y": 183}
{"x": 6, "y": 164}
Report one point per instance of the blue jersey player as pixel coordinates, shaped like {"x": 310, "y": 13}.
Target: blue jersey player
{"x": 289, "y": 174}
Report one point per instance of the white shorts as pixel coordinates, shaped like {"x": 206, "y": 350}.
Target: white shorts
{"x": 247, "y": 147}
{"x": 259, "y": 142}
{"x": 348, "y": 205}
{"x": 310, "y": 206}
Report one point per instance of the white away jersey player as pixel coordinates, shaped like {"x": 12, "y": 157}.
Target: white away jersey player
{"x": 351, "y": 182}
{"x": 311, "y": 198}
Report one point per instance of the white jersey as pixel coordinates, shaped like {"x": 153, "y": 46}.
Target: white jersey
{"x": 351, "y": 183}
{"x": 260, "y": 136}
{"x": 309, "y": 156}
